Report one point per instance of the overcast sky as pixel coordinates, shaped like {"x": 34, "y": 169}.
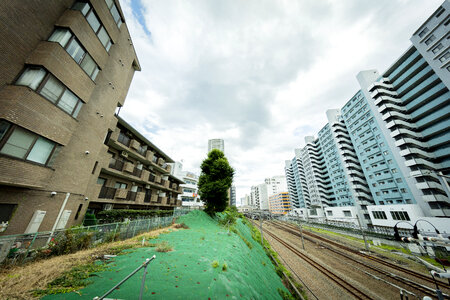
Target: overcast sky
{"x": 258, "y": 74}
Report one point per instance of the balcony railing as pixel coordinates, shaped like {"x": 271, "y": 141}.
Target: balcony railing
{"x": 123, "y": 139}
{"x": 137, "y": 172}
{"x": 131, "y": 196}
{"x": 107, "y": 192}
{"x": 116, "y": 164}
{"x": 142, "y": 151}
{"x": 148, "y": 197}
{"x": 151, "y": 178}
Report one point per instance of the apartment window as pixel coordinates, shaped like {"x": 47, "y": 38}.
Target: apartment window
{"x": 400, "y": 216}
{"x": 381, "y": 215}
{"x": 394, "y": 171}
{"x": 51, "y": 88}
{"x": 403, "y": 191}
{"x": 389, "y": 161}
{"x": 88, "y": 12}
{"x": 437, "y": 48}
{"x": 430, "y": 40}
{"x": 71, "y": 44}
{"x": 385, "y": 192}
{"x": 101, "y": 181}
{"x": 444, "y": 57}
{"x": 440, "y": 12}
{"x": 120, "y": 185}
{"x": 114, "y": 12}
{"x": 347, "y": 213}
{"x": 23, "y": 144}
{"x": 423, "y": 32}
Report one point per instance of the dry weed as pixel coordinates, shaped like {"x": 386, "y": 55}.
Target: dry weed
{"x": 17, "y": 282}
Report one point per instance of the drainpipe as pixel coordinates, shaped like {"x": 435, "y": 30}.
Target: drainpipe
{"x": 58, "y": 217}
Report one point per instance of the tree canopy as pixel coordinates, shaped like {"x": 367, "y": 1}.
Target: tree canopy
{"x": 215, "y": 181}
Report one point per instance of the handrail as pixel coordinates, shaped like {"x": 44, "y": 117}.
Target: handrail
{"x": 144, "y": 265}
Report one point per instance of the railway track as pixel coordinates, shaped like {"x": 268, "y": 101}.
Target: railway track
{"x": 351, "y": 289}
{"x": 417, "y": 286}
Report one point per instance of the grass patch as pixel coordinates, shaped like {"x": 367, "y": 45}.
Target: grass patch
{"x": 72, "y": 280}
{"x": 164, "y": 246}
{"x": 215, "y": 264}
{"x": 224, "y": 267}
{"x": 279, "y": 267}
{"x": 249, "y": 245}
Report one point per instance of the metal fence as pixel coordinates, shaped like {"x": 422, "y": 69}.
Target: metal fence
{"x": 21, "y": 248}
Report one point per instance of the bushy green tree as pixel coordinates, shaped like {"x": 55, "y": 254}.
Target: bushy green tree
{"x": 214, "y": 182}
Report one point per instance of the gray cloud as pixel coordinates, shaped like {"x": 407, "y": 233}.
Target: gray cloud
{"x": 258, "y": 73}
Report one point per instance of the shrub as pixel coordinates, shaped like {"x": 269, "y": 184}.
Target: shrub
{"x": 89, "y": 220}
{"x": 119, "y": 215}
{"x": 224, "y": 267}
{"x": 215, "y": 264}
{"x": 163, "y": 247}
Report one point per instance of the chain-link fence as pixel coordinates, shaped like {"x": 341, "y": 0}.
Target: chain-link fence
{"x": 21, "y": 248}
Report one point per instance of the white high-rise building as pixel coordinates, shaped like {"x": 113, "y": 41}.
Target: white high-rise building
{"x": 190, "y": 196}
{"x": 216, "y": 144}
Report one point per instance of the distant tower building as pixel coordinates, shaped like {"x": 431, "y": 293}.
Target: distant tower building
{"x": 216, "y": 144}
{"x": 233, "y": 196}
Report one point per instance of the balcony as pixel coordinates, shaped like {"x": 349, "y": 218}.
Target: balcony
{"x": 152, "y": 178}
{"x": 148, "y": 197}
{"x": 137, "y": 172}
{"x": 116, "y": 164}
{"x": 131, "y": 196}
{"x": 165, "y": 183}
{"x": 107, "y": 192}
{"x": 123, "y": 139}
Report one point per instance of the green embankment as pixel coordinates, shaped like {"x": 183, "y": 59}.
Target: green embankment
{"x": 206, "y": 263}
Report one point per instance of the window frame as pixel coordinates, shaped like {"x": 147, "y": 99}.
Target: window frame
{"x": 9, "y": 132}
{"x": 44, "y": 81}
{"x": 91, "y": 9}
{"x": 93, "y": 74}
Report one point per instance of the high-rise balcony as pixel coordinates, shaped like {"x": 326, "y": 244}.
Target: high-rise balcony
{"x": 387, "y": 99}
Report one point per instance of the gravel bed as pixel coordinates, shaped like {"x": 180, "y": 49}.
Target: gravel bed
{"x": 351, "y": 271}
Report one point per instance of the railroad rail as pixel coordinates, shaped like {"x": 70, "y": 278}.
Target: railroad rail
{"x": 356, "y": 292}
{"x": 420, "y": 287}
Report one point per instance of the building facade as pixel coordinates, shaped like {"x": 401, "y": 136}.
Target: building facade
{"x": 280, "y": 203}
{"x": 387, "y": 151}
{"x": 218, "y": 144}
{"x": 190, "y": 196}
{"x": 61, "y": 83}
{"x": 134, "y": 174}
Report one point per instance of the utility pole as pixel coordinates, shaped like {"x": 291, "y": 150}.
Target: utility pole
{"x": 301, "y": 233}
{"x": 364, "y": 236}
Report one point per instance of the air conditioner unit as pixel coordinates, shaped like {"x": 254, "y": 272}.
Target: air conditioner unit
{"x": 147, "y": 186}
{"x": 124, "y": 154}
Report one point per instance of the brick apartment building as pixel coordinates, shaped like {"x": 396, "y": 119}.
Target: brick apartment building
{"x": 136, "y": 174}
{"x": 66, "y": 67}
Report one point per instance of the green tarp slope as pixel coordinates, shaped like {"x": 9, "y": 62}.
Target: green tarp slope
{"x": 187, "y": 272}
